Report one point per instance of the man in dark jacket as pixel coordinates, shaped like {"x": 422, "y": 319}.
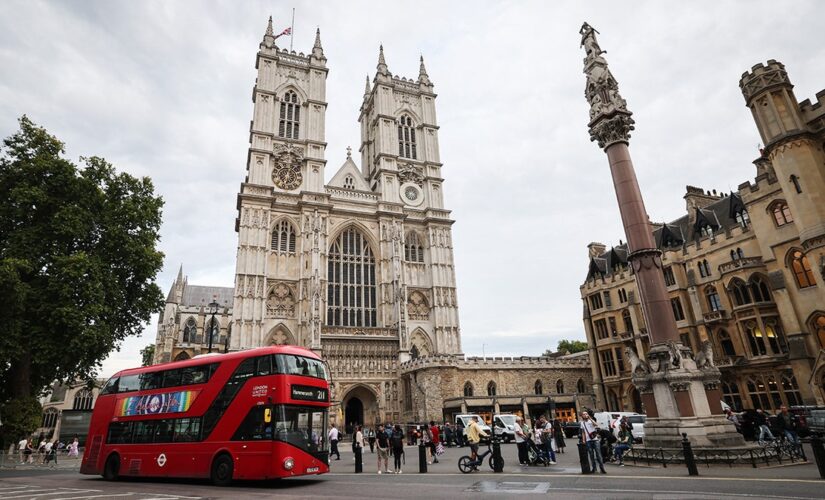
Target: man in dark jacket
{"x": 761, "y": 422}
{"x": 788, "y": 423}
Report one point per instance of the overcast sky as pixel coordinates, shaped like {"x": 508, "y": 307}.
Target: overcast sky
{"x": 163, "y": 89}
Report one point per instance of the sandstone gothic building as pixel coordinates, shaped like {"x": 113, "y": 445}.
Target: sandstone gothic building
{"x": 745, "y": 271}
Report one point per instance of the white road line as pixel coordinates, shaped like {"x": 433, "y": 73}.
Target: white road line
{"x": 13, "y": 487}
{"x": 28, "y": 493}
{"x": 108, "y": 495}
{"x": 65, "y": 492}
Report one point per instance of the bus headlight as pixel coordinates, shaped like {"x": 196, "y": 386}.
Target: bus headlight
{"x": 289, "y": 463}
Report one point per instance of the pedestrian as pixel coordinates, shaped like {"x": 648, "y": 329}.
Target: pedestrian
{"x": 47, "y": 452}
{"x": 29, "y": 451}
{"x": 625, "y": 442}
{"x": 474, "y": 435}
{"x": 734, "y": 419}
{"x": 382, "y": 442}
{"x": 521, "y": 443}
{"x": 333, "y": 442}
{"x": 357, "y": 441}
{"x": 761, "y": 421}
{"x": 21, "y": 449}
{"x": 73, "y": 447}
{"x": 41, "y": 450}
{"x": 547, "y": 439}
{"x": 397, "y": 443}
{"x": 558, "y": 435}
{"x": 590, "y": 437}
{"x": 435, "y": 440}
{"x": 371, "y": 439}
{"x": 788, "y": 423}
{"x": 459, "y": 434}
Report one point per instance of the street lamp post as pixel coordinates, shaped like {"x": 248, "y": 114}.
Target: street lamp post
{"x": 213, "y": 308}
{"x": 226, "y": 341}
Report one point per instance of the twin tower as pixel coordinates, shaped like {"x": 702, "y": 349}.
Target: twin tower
{"x": 359, "y": 269}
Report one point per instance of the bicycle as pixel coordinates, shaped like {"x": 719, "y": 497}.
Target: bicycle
{"x": 467, "y": 464}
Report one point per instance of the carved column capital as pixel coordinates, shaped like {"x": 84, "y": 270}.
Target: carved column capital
{"x": 611, "y": 130}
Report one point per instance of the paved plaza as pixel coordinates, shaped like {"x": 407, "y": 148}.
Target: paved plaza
{"x": 443, "y": 480}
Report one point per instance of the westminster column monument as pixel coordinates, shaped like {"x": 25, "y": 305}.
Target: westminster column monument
{"x": 679, "y": 396}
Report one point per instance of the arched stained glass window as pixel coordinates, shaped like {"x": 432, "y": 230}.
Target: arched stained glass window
{"x": 283, "y": 238}
{"x": 190, "y": 330}
{"x": 290, "y": 117}
{"x": 351, "y": 281}
{"x": 413, "y": 250}
{"x": 468, "y": 390}
{"x": 406, "y": 138}
{"x": 818, "y": 328}
{"x": 801, "y": 267}
{"x": 83, "y": 400}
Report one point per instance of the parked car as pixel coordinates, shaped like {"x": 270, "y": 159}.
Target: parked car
{"x": 609, "y": 420}
{"x": 571, "y": 429}
{"x": 804, "y": 413}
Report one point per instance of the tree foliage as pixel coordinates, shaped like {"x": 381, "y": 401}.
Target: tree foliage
{"x": 21, "y": 417}
{"x": 569, "y": 346}
{"x": 147, "y": 354}
{"x": 78, "y": 261}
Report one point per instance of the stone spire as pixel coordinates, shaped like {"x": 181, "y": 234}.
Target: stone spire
{"x": 610, "y": 120}
{"x": 367, "y": 88}
{"x": 422, "y": 73}
{"x": 317, "y": 50}
{"x": 269, "y": 36}
{"x": 382, "y": 64}
{"x": 269, "y": 28}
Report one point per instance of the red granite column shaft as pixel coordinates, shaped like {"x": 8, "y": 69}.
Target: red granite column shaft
{"x": 643, "y": 255}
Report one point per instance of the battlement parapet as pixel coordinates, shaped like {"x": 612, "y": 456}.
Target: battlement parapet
{"x": 763, "y": 77}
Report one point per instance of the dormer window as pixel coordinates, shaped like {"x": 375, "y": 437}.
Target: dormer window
{"x": 290, "y": 116}
{"x": 349, "y": 182}
{"x": 406, "y": 138}
{"x": 706, "y": 231}
{"x": 743, "y": 219}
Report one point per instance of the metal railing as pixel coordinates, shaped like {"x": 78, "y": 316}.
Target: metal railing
{"x": 773, "y": 453}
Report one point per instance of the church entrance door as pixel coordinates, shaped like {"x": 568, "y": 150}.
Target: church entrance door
{"x": 360, "y": 406}
{"x": 353, "y": 415}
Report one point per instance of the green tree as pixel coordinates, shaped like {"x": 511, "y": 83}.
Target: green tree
{"x": 147, "y": 354}
{"x": 570, "y": 346}
{"x": 78, "y": 262}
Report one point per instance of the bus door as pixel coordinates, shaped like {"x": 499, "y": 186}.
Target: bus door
{"x": 254, "y": 443}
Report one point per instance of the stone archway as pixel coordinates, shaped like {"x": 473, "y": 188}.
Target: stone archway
{"x": 360, "y": 405}
{"x": 280, "y": 335}
{"x": 635, "y": 399}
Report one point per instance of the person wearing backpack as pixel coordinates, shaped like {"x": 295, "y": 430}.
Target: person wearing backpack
{"x": 397, "y": 443}
{"x": 382, "y": 442}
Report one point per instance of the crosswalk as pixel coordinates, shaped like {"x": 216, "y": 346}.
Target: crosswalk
{"x": 32, "y": 492}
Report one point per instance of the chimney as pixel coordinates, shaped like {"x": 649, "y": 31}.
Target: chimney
{"x": 697, "y": 198}
{"x": 595, "y": 249}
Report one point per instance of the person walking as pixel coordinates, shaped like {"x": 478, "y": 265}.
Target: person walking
{"x": 29, "y": 451}
{"x": 625, "y": 442}
{"x": 448, "y": 434}
{"x": 333, "y": 442}
{"x": 73, "y": 448}
{"x": 371, "y": 439}
{"x": 357, "y": 441}
{"x": 435, "y": 440}
{"x": 558, "y": 435}
{"x": 382, "y": 442}
{"x": 426, "y": 440}
{"x": 459, "y": 434}
{"x": 47, "y": 452}
{"x": 521, "y": 443}
{"x": 547, "y": 438}
{"x": 41, "y": 449}
{"x": 474, "y": 435}
{"x": 21, "y": 449}
{"x": 761, "y": 421}
{"x": 397, "y": 443}
{"x": 788, "y": 423}
{"x": 590, "y": 437}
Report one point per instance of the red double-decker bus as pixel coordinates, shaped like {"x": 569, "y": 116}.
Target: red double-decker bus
{"x": 255, "y": 414}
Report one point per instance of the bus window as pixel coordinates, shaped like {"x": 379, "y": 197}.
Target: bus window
{"x": 144, "y": 431}
{"x": 119, "y": 433}
{"x": 149, "y": 381}
{"x": 163, "y": 431}
{"x": 254, "y": 427}
{"x": 129, "y": 383}
{"x": 187, "y": 429}
{"x": 302, "y": 427}
{"x": 111, "y": 386}
{"x": 171, "y": 378}
{"x": 224, "y": 398}
{"x": 291, "y": 364}
{"x": 264, "y": 365}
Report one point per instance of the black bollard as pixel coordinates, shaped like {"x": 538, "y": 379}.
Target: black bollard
{"x": 422, "y": 458}
{"x": 583, "y": 459}
{"x": 819, "y": 454}
{"x": 690, "y": 460}
{"x": 359, "y": 464}
{"x": 498, "y": 460}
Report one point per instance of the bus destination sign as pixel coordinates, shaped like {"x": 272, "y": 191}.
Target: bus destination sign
{"x": 308, "y": 393}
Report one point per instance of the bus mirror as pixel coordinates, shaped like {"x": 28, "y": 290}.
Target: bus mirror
{"x": 268, "y": 415}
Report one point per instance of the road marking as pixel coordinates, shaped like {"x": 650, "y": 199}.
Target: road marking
{"x": 108, "y": 495}
{"x": 609, "y": 477}
{"x": 28, "y": 493}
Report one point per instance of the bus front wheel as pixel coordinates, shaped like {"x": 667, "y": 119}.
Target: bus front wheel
{"x": 112, "y": 467}
{"x": 222, "y": 470}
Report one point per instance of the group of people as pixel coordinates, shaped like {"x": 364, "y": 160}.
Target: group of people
{"x": 46, "y": 451}
{"x": 387, "y": 440}
{"x": 785, "y": 422}
{"x": 605, "y": 444}
{"x": 545, "y": 439}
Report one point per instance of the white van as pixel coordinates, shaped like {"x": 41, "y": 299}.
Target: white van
{"x": 505, "y": 426}
{"x": 465, "y": 421}
{"x": 609, "y": 420}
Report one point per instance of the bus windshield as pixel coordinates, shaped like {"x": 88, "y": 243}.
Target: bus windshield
{"x": 291, "y": 364}
{"x": 301, "y": 426}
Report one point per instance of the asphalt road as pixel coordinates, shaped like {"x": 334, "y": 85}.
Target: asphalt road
{"x": 443, "y": 481}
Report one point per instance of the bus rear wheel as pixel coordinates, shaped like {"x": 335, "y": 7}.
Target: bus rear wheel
{"x": 222, "y": 469}
{"x": 112, "y": 467}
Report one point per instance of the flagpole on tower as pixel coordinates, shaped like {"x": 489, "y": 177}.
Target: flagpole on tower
{"x": 292, "y": 30}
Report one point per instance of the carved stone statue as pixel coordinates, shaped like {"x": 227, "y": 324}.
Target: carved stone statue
{"x": 704, "y": 359}
{"x": 591, "y": 45}
{"x": 636, "y": 363}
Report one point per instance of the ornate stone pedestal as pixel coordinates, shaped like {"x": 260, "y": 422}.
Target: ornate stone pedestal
{"x": 681, "y": 395}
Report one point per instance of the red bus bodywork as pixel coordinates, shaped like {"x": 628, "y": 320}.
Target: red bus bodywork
{"x": 258, "y": 451}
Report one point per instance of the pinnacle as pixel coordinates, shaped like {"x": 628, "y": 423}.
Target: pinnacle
{"x": 367, "y": 88}
{"x": 269, "y": 31}
{"x": 382, "y": 64}
{"x": 317, "y": 38}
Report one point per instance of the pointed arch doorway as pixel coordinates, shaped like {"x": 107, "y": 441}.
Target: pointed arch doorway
{"x": 360, "y": 408}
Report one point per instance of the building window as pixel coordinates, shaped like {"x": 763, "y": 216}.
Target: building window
{"x": 414, "y": 354}
{"x": 622, "y": 295}
{"x": 791, "y": 389}
{"x": 714, "y": 303}
{"x": 706, "y": 230}
{"x": 580, "y": 387}
{"x": 741, "y": 295}
{"x": 756, "y": 339}
{"x": 83, "y": 400}
{"x": 802, "y": 269}
{"x": 726, "y": 344}
{"x": 612, "y": 322}
{"x": 406, "y": 138}
{"x": 685, "y": 339}
{"x": 670, "y": 279}
{"x": 759, "y": 290}
{"x": 559, "y": 387}
{"x": 190, "y": 330}
{"x": 606, "y": 294}
{"x": 182, "y": 356}
{"x": 758, "y": 393}
{"x": 351, "y": 285}
{"x": 731, "y": 396}
{"x": 704, "y": 268}
{"x": 290, "y": 116}
{"x": 737, "y": 254}
{"x": 349, "y": 182}
{"x": 678, "y": 312}
{"x": 742, "y": 219}
{"x": 619, "y": 359}
{"x": 818, "y": 327}
{"x": 213, "y": 329}
{"x": 49, "y": 418}
{"x": 537, "y": 387}
{"x": 596, "y": 301}
{"x": 773, "y": 332}
{"x": 413, "y": 250}
{"x": 795, "y": 182}
{"x": 781, "y": 213}
{"x": 283, "y": 238}
{"x": 628, "y": 321}
{"x": 608, "y": 367}
{"x": 468, "y": 390}
{"x": 601, "y": 328}
{"x": 491, "y": 388}
{"x": 613, "y": 401}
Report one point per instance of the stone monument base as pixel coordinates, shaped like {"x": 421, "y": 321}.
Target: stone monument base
{"x": 703, "y": 432}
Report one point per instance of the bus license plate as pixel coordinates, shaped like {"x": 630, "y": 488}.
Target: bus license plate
{"x": 312, "y": 469}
